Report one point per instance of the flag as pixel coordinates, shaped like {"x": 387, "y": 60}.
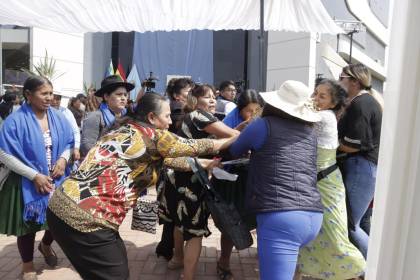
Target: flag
{"x": 120, "y": 72}
{"x": 110, "y": 70}
{"x": 134, "y": 78}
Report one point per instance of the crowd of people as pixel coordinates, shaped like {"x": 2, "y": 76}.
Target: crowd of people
{"x": 305, "y": 181}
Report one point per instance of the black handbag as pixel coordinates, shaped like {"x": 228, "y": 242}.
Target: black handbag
{"x": 224, "y": 215}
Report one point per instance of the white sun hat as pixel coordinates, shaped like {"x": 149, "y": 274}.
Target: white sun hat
{"x": 293, "y": 98}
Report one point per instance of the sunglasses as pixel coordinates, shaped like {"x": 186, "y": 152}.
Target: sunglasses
{"x": 344, "y": 76}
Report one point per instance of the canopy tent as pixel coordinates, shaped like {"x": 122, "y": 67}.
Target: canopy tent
{"x": 80, "y": 16}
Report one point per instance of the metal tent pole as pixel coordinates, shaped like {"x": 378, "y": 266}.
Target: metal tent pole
{"x": 261, "y": 49}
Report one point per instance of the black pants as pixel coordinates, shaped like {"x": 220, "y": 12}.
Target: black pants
{"x": 95, "y": 255}
{"x": 26, "y": 244}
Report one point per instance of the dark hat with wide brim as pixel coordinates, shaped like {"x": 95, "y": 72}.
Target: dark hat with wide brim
{"x": 112, "y": 82}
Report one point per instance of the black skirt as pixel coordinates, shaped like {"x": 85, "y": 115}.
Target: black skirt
{"x": 183, "y": 205}
{"x": 97, "y": 255}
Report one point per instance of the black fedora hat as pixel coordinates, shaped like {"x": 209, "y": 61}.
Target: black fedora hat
{"x": 112, "y": 82}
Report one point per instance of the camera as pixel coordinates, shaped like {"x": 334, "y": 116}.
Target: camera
{"x": 150, "y": 82}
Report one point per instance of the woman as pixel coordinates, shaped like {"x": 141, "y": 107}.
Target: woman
{"x": 177, "y": 90}
{"x": 35, "y": 145}
{"x": 249, "y": 106}
{"x": 114, "y": 92}
{"x": 87, "y": 210}
{"x": 359, "y": 132}
{"x": 189, "y": 213}
{"x": 331, "y": 255}
{"x": 281, "y": 187}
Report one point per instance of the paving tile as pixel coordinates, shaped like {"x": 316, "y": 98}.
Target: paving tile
{"x": 143, "y": 263}
{"x": 211, "y": 252}
{"x": 8, "y": 264}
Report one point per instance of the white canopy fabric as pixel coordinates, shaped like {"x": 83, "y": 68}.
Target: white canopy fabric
{"x": 80, "y": 16}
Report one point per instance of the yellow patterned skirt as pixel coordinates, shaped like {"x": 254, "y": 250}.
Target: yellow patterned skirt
{"x": 331, "y": 255}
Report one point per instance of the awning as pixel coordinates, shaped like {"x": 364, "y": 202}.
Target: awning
{"x": 80, "y": 16}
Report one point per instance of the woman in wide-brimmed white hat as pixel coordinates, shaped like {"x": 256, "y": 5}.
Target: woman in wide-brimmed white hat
{"x": 282, "y": 178}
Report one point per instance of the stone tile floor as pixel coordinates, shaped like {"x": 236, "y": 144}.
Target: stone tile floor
{"x": 143, "y": 262}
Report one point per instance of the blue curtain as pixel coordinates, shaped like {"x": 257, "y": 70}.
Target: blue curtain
{"x": 174, "y": 53}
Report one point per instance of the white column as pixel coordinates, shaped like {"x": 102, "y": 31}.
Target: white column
{"x": 395, "y": 236}
{"x": 290, "y": 56}
{"x": 97, "y": 56}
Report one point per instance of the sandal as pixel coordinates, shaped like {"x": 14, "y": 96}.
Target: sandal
{"x": 175, "y": 265}
{"x": 51, "y": 260}
{"x": 224, "y": 273}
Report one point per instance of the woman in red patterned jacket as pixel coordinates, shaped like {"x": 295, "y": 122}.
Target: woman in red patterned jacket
{"x": 91, "y": 204}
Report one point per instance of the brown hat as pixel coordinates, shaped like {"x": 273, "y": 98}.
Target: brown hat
{"x": 112, "y": 82}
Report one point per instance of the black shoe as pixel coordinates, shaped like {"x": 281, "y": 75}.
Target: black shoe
{"x": 51, "y": 260}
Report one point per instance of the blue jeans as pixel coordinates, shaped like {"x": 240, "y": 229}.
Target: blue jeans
{"x": 360, "y": 185}
{"x": 280, "y": 235}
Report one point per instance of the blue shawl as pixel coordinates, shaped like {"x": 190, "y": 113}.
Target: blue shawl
{"x": 21, "y": 136}
{"x": 233, "y": 119}
{"x": 108, "y": 115}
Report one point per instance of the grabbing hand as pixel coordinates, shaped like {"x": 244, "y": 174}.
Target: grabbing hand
{"x": 59, "y": 167}
{"x": 209, "y": 164}
{"x": 76, "y": 154}
{"x": 242, "y": 125}
{"x": 43, "y": 183}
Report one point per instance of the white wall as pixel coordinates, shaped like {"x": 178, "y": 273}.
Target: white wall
{"x": 67, "y": 50}
{"x": 394, "y": 245}
{"x": 290, "y": 56}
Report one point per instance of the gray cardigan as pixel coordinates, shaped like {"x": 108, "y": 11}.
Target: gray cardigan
{"x": 92, "y": 128}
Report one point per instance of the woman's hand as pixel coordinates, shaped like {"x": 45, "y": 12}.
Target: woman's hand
{"x": 209, "y": 164}
{"x": 76, "y": 154}
{"x": 59, "y": 167}
{"x": 242, "y": 125}
{"x": 43, "y": 183}
{"x": 224, "y": 143}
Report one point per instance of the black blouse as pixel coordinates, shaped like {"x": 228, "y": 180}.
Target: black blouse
{"x": 194, "y": 123}
{"x": 360, "y": 126}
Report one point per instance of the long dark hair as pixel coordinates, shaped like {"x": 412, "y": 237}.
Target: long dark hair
{"x": 151, "y": 102}
{"x": 32, "y": 83}
{"x": 338, "y": 93}
{"x": 247, "y": 97}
